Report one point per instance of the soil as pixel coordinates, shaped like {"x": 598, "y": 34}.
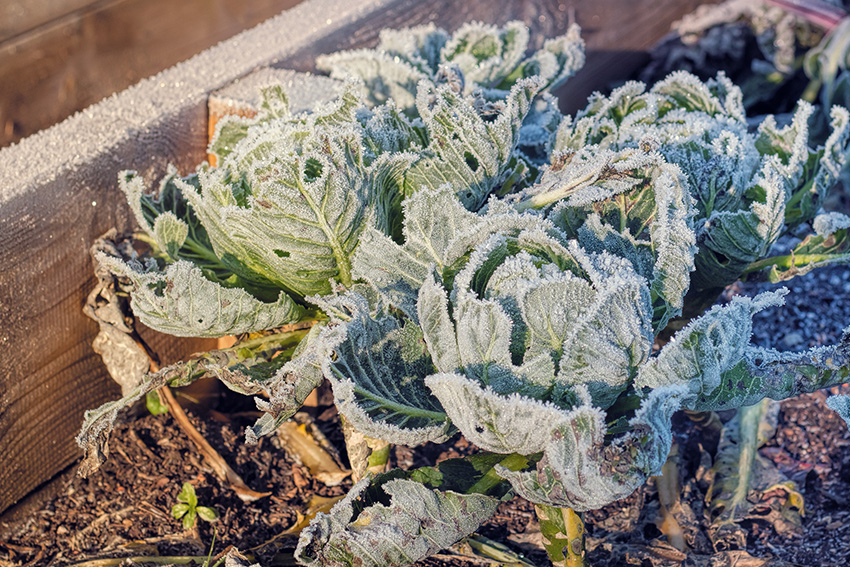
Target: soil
{"x": 124, "y": 510}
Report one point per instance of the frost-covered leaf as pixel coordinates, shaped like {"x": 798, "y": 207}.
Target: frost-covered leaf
{"x": 707, "y": 347}
{"x": 437, "y": 326}
{"x": 180, "y": 301}
{"x": 612, "y": 336}
{"x": 231, "y": 129}
{"x": 247, "y": 367}
{"x": 433, "y": 219}
{"x": 486, "y": 57}
{"x": 559, "y": 59}
{"x": 494, "y": 422}
{"x": 748, "y": 188}
{"x": 767, "y": 373}
{"x": 170, "y": 233}
{"x": 287, "y": 213}
{"x": 168, "y": 201}
{"x": 630, "y": 203}
{"x": 411, "y": 523}
{"x": 840, "y": 405}
{"x": 467, "y": 149}
{"x": 829, "y": 245}
{"x": 579, "y": 470}
{"x": 394, "y": 68}
{"x": 378, "y": 377}
{"x": 300, "y": 374}
{"x": 486, "y": 54}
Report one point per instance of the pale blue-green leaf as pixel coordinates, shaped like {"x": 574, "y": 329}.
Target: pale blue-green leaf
{"x": 560, "y": 58}
{"x": 432, "y": 221}
{"x": 579, "y": 470}
{"x": 487, "y": 54}
{"x": 437, "y": 327}
{"x": 378, "y": 380}
{"x": 495, "y": 422}
{"x": 612, "y": 336}
{"x": 484, "y": 339}
{"x": 767, "y": 373}
{"x": 550, "y": 310}
{"x": 290, "y": 386}
{"x": 180, "y": 301}
{"x": 170, "y": 233}
{"x": 420, "y": 45}
{"x": 385, "y": 76}
{"x": 465, "y": 150}
{"x": 291, "y": 219}
{"x": 707, "y": 347}
{"x": 417, "y": 523}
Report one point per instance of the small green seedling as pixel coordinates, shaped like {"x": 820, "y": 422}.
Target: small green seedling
{"x": 188, "y": 508}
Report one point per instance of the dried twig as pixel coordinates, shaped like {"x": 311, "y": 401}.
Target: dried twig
{"x": 212, "y": 457}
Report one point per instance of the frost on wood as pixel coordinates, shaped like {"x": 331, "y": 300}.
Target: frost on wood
{"x": 413, "y": 522}
{"x": 748, "y": 189}
{"x": 487, "y": 57}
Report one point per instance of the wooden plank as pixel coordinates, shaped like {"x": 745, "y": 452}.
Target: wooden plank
{"x": 63, "y": 67}
{"x": 20, "y": 16}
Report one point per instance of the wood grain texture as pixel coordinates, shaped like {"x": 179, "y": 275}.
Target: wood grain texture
{"x": 94, "y": 49}
{"x": 18, "y": 17}
{"x": 49, "y": 215}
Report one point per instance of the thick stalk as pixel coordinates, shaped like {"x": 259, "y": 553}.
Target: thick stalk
{"x": 563, "y": 535}
{"x": 365, "y": 454}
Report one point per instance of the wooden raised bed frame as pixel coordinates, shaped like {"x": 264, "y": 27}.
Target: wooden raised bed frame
{"x": 58, "y": 190}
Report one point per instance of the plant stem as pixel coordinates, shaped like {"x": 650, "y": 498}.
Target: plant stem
{"x": 789, "y": 261}
{"x": 563, "y": 535}
{"x": 365, "y": 454}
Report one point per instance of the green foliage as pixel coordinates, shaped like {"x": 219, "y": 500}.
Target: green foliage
{"x": 747, "y": 189}
{"x": 187, "y": 508}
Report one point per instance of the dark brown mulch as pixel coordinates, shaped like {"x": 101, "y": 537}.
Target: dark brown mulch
{"x": 124, "y": 510}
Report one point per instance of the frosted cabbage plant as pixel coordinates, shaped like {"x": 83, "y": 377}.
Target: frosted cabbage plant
{"x": 748, "y": 188}
{"x": 407, "y": 245}
{"x": 482, "y": 57}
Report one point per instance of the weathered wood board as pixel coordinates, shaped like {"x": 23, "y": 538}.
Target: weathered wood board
{"x": 60, "y": 56}
{"x": 58, "y": 191}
